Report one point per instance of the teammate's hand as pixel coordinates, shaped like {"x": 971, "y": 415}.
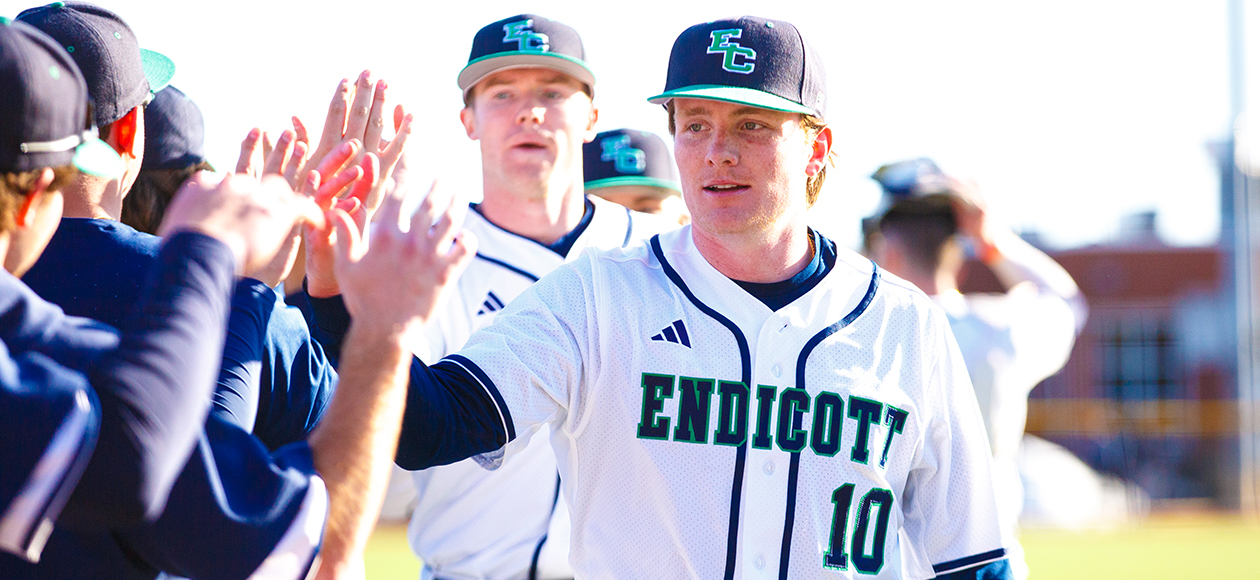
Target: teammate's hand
{"x": 972, "y": 213}
{"x": 259, "y": 156}
{"x": 252, "y": 217}
{"x": 357, "y": 111}
{"x": 323, "y": 186}
{"x": 394, "y": 280}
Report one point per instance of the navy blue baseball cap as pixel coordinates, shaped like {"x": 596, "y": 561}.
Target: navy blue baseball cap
{"x": 45, "y": 112}
{"x": 628, "y": 157}
{"x": 119, "y": 73}
{"x": 747, "y": 60}
{"x": 174, "y": 131}
{"x": 525, "y": 41}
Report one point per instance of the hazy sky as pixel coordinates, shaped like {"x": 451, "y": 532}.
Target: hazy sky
{"x": 1070, "y": 114}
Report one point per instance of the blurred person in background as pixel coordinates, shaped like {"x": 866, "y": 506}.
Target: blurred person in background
{"x": 174, "y": 149}
{"x": 1010, "y": 341}
{"x": 634, "y": 169}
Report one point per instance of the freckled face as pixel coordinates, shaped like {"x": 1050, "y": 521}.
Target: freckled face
{"x": 743, "y": 169}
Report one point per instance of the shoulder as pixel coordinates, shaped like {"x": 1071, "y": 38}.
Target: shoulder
{"x": 632, "y": 226}
{"x": 893, "y": 295}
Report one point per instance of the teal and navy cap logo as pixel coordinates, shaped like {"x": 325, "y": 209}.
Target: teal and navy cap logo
{"x": 525, "y": 40}
{"x": 45, "y": 116}
{"x": 628, "y": 157}
{"x": 748, "y": 60}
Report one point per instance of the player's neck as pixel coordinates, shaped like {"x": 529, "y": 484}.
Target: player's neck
{"x": 92, "y": 198}
{"x": 764, "y": 257}
{"x": 544, "y": 216}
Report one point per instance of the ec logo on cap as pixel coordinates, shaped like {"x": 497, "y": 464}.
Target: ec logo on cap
{"x": 527, "y": 40}
{"x": 722, "y": 44}
{"x": 626, "y": 159}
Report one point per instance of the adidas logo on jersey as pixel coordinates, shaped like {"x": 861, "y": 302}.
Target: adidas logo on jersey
{"x": 675, "y": 333}
{"x": 491, "y": 305}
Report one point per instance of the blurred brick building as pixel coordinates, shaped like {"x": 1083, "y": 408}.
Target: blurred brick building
{"x": 1148, "y": 393}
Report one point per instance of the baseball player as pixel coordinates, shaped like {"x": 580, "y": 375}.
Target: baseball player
{"x": 528, "y": 92}
{"x": 79, "y": 398}
{"x": 1010, "y": 341}
{"x": 739, "y": 398}
{"x": 634, "y": 169}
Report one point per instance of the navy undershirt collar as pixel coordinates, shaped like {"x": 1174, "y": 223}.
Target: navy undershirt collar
{"x": 565, "y": 243}
{"x": 776, "y": 295}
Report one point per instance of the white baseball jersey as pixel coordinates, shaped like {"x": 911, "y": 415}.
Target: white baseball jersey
{"x": 702, "y": 435}
{"x": 1011, "y": 342}
{"x": 470, "y": 523}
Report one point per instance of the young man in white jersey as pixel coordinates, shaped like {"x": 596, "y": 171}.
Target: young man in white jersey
{"x": 739, "y": 398}
{"x": 1010, "y": 341}
{"x": 527, "y": 92}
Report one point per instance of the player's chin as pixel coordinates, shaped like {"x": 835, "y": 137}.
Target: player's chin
{"x": 726, "y": 221}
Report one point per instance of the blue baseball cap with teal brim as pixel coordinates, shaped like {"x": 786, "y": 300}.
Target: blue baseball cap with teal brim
{"x": 119, "y": 74}
{"x": 747, "y": 60}
{"x": 525, "y": 41}
{"x": 629, "y": 157}
{"x": 45, "y": 112}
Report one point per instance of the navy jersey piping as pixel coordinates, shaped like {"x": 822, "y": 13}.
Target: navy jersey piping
{"x": 629, "y": 228}
{"x": 789, "y": 517}
{"x": 969, "y": 561}
{"x": 504, "y": 414}
{"x": 737, "y": 484}
{"x": 507, "y": 266}
{"x": 533, "y": 563}
{"x": 572, "y": 236}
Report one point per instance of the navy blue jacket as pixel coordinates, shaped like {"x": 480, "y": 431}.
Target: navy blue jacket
{"x": 62, "y": 378}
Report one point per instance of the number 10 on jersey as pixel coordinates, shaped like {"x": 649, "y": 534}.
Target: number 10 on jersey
{"x": 842, "y": 498}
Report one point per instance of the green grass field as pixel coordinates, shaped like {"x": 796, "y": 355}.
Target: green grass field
{"x": 1163, "y": 547}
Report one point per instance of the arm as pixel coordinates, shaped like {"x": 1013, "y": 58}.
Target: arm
{"x": 951, "y": 474}
{"x": 391, "y": 287}
{"x": 155, "y": 387}
{"x": 238, "y": 388}
{"x": 1014, "y": 261}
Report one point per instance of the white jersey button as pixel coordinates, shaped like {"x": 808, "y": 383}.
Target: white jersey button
{"x": 769, "y": 468}
{"x": 760, "y": 562}
{"x": 775, "y": 370}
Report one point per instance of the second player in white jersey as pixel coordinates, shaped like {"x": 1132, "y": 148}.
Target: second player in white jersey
{"x": 490, "y": 524}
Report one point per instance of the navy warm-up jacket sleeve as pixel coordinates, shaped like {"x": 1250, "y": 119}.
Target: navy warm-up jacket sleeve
{"x": 449, "y": 415}
{"x": 276, "y": 380}
{"x": 155, "y": 388}
{"x": 238, "y": 387}
{"x": 236, "y": 498}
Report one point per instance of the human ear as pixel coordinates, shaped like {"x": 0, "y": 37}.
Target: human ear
{"x": 26, "y": 212}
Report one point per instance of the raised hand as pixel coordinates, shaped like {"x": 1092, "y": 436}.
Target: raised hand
{"x": 323, "y": 186}
{"x": 398, "y": 275}
{"x": 357, "y": 111}
{"x": 252, "y": 217}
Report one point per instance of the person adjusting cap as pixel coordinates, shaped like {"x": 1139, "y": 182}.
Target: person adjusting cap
{"x": 748, "y": 60}
{"x": 120, "y": 74}
{"x": 525, "y": 40}
{"x": 44, "y": 103}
